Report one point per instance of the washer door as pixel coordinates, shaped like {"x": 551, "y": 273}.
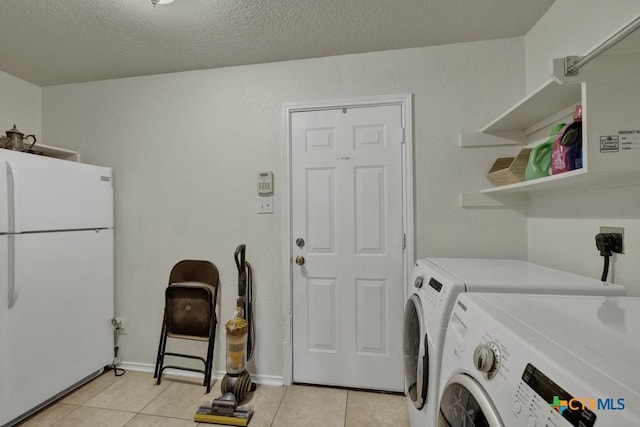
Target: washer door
{"x": 464, "y": 403}
{"x": 416, "y": 359}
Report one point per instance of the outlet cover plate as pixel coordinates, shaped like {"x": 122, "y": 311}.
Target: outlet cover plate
{"x": 123, "y": 324}
{"x": 619, "y": 230}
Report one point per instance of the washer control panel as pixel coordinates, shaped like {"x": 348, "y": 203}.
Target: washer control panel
{"x": 541, "y": 402}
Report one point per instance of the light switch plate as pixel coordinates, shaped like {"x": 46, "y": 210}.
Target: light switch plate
{"x": 265, "y": 205}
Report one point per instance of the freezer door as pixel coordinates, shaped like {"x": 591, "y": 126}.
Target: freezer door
{"x": 40, "y": 193}
{"x": 58, "y": 329}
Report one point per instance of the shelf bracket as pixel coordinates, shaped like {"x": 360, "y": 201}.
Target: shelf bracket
{"x": 479, "y": 139}
{"x": 479, "y": 200}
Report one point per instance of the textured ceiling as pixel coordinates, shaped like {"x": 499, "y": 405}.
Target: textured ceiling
{"x": 49, "y": 42}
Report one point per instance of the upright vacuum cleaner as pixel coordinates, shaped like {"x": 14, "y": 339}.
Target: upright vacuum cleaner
{"x": 236, "y": 383}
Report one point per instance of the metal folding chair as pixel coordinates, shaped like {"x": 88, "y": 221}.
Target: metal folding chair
{"x": 190, "y": 313}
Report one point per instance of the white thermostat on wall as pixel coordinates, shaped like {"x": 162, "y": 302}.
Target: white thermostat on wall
{"x": 265, "y": 182}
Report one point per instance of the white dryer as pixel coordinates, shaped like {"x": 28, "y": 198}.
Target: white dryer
{"x": 433, "y": 288}
{"x": 538, "y": 360}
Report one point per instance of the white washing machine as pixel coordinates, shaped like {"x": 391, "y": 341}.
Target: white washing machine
{"x": 539, "y": 360}
{"x": 433, "y": 288}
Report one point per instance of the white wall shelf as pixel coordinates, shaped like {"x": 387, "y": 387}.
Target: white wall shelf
{"x": 58, "y": 153}
{"x": 610, "y": 109}
{"x": 536, "y": 108}
{"x": 577, "y": 180}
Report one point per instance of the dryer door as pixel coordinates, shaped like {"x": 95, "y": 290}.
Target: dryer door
{"x": 464, "y": 403}
{"x": 416, "y": 357}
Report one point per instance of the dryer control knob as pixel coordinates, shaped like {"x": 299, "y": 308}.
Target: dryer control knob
{"x": 418, "y": 282}
{"x": 486, "y": 358}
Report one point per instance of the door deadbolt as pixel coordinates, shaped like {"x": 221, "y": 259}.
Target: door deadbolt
{"x": 300, "y": 260}
{"x": 300, "y": 242}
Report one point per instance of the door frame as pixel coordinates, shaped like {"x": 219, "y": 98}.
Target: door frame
{"x": 405, "y": 101}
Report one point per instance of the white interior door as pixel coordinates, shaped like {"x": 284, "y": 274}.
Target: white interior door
{"x": 347, "y": 206}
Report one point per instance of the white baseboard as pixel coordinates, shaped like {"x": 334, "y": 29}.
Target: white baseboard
{"x": 272, "y": 380}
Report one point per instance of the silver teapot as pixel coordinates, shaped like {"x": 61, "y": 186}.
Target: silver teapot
{"x": 15, "y": 140}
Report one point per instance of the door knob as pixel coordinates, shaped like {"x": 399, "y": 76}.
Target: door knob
{"x": 300, "y": 260}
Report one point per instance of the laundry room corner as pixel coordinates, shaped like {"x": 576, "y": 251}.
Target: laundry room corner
{"x": 26, "y": 102}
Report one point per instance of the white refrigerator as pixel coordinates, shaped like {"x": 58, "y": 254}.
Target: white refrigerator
{"x": 56, "y": 278}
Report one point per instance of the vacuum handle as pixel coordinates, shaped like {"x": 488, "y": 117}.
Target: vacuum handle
{"x": 242, "y": 271}
{"x": 240, "y": 257}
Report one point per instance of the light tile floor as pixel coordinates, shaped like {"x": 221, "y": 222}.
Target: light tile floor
{"x": 134, "y": 400}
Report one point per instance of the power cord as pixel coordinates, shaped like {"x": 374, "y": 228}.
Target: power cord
{"x": 118, "y": 372}
{"x": 607, "y": 244}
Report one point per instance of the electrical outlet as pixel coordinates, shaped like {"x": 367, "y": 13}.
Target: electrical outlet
{"x": 618, "y": 230}
{"x": 122, "y": 324}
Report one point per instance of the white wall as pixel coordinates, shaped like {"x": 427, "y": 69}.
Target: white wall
{"x": 186, "y": 147}
{"x": 20, "y": 104}
{"x": 562, "y": 229}
{"x": 572, "y": 27}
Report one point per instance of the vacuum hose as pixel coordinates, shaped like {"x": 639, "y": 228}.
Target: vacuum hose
{"x": 249, "y": 313}
{"x": 245, "y": 294}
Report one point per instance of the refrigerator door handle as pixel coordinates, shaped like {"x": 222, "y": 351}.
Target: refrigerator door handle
{"x": 13, "y": 294}
{"x": 12, "y": 198}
